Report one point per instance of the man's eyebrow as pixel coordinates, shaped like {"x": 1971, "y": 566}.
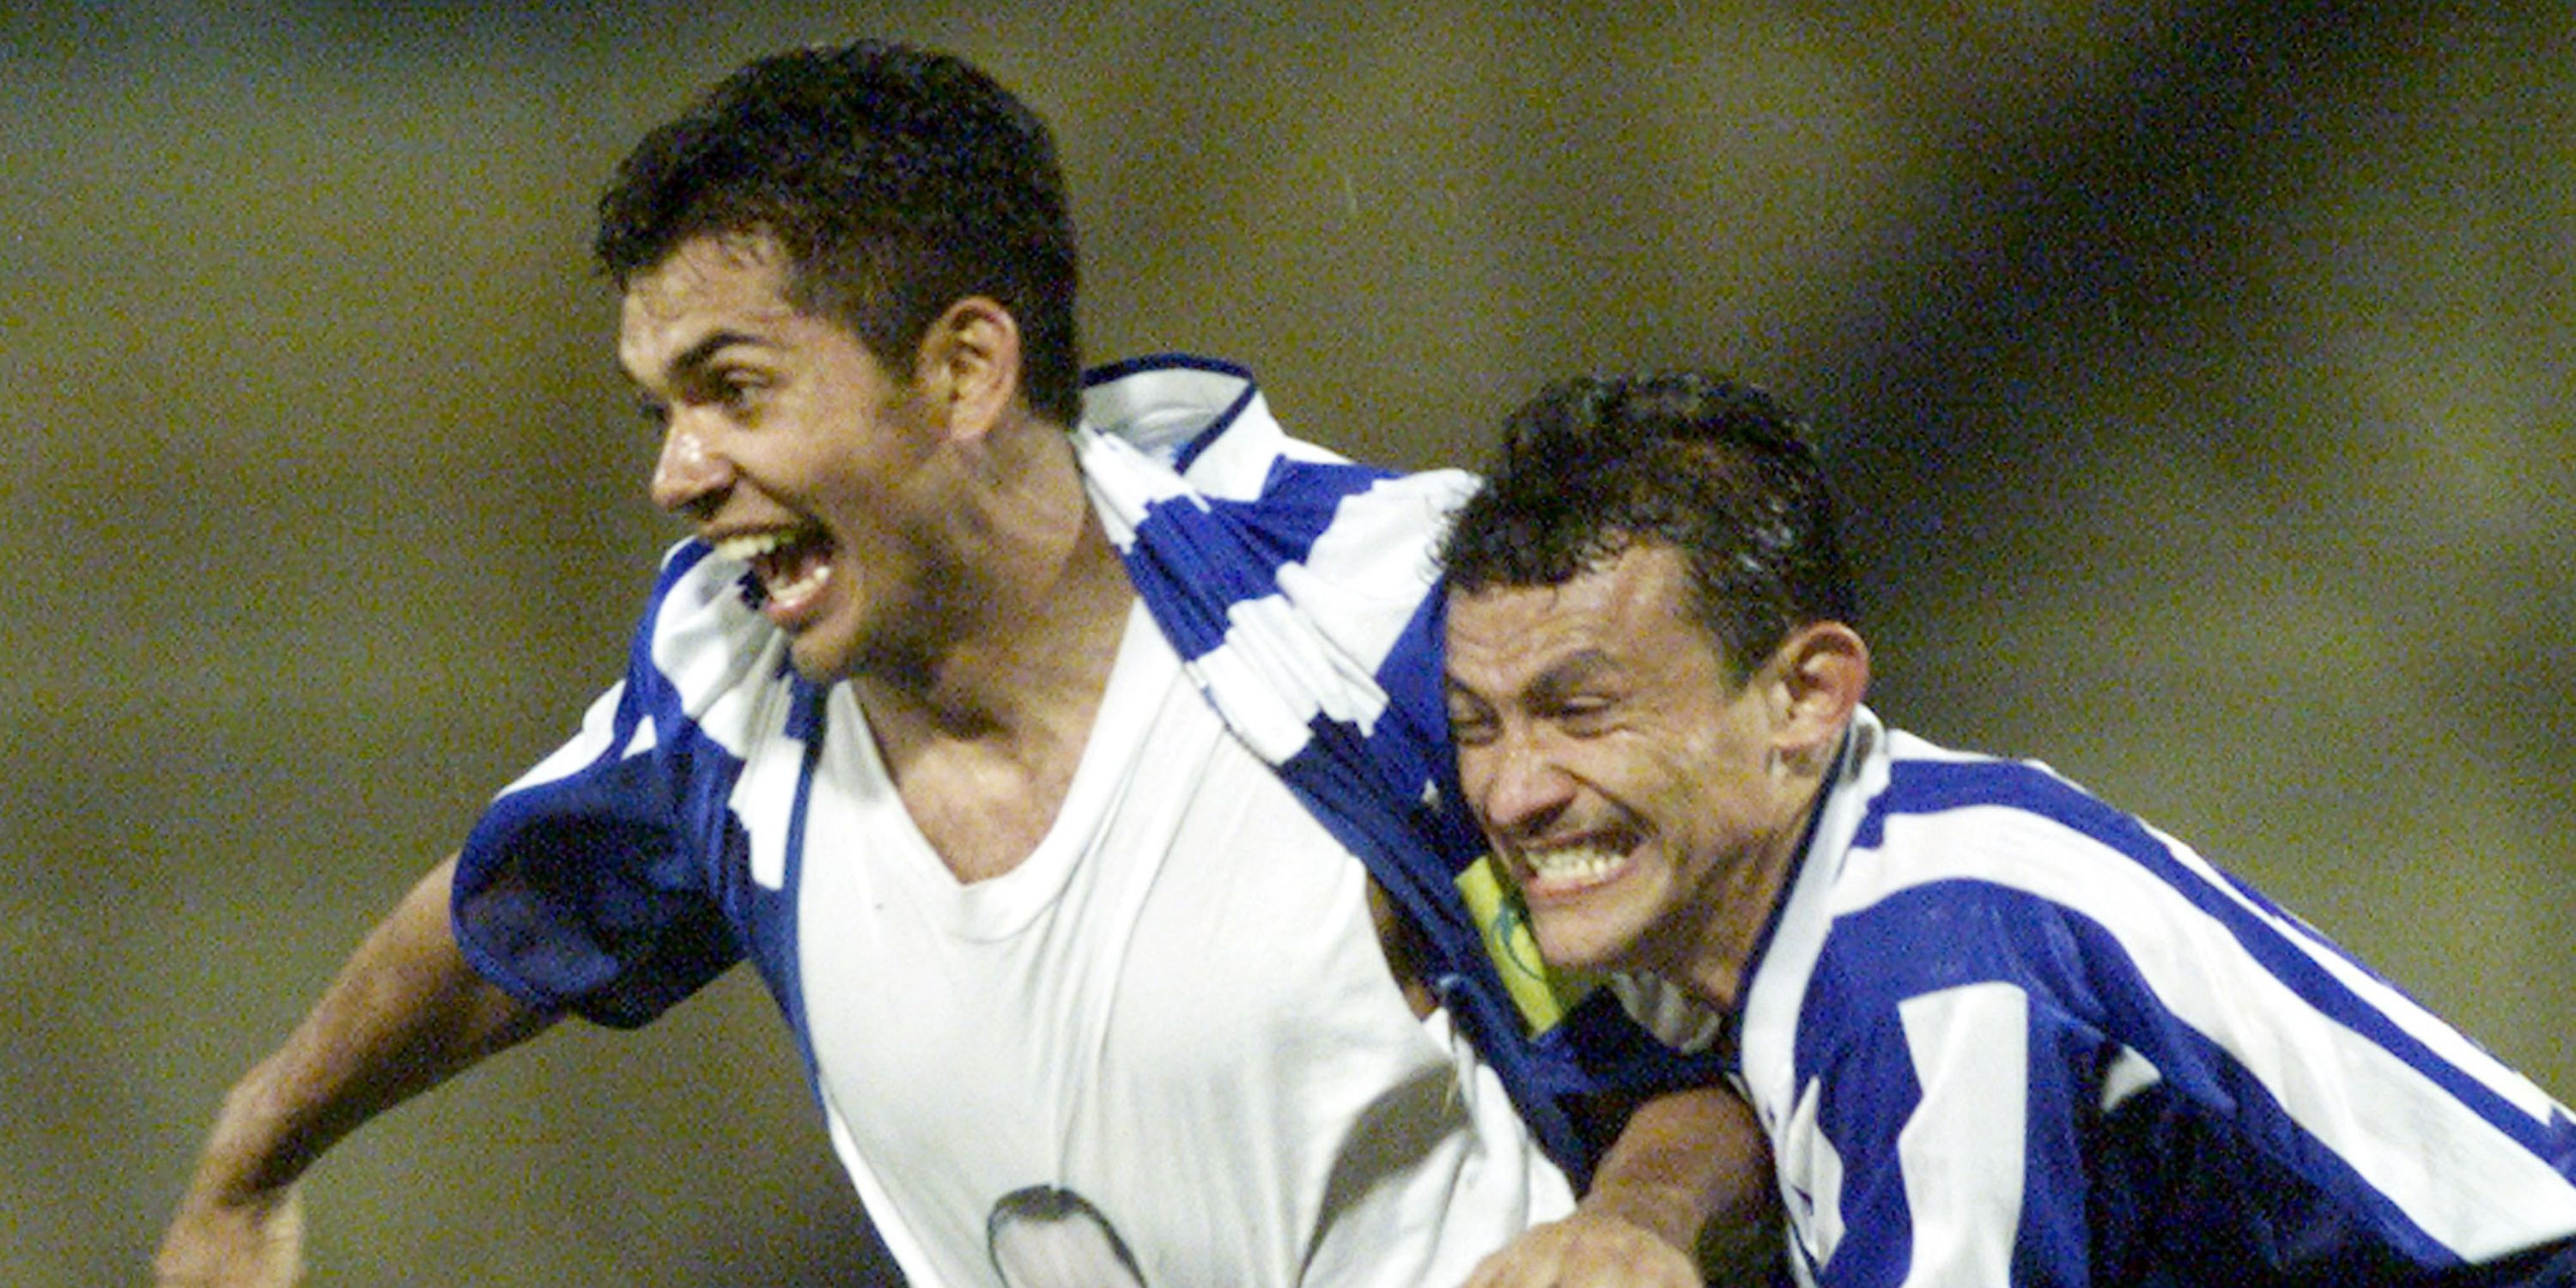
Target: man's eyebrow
{"x": 697, "y": 356}
{"x": 1559, "y": 678}
{"x": 692, "y": 361}
{"x": 1570, "y": 672}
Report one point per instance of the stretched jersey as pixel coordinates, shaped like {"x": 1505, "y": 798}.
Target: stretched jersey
{"x": 1300, "y": 591}
{"x": 662, "y": 844}
{"x": 2001, "y": 1033}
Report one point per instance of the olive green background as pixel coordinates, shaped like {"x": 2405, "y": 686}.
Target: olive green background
{"x": 2199, "y": 376}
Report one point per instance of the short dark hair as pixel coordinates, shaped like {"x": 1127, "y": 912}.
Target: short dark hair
{"x": 1716, "y": 469}
{"x": 898, "y": 181}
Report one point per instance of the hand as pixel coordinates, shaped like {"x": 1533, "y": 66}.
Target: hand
{"x": 1589, "y": 1247}
{"x": 212, "y": 1243}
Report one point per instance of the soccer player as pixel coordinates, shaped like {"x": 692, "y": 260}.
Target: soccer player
{"x": 1038, "y": 749}
{"x": 1997, "y": 1031}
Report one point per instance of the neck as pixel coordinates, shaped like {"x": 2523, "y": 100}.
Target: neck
{"x": 1742, "y": 901}
{"x": 1036, "y": 599}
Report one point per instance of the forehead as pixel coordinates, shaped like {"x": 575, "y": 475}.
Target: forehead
{"x": 1631, "y": 607}
{"x": 735, "y": 282}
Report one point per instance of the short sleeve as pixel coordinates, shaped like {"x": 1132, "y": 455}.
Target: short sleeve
{"x": 578, "y": 896}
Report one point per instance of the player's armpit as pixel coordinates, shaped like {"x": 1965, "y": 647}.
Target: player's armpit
{"x": 1404, "y": 953}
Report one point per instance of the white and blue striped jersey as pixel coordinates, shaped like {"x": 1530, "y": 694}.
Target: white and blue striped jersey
{"x": 2001, "y": 1033}
{"x": 1301, "y": 592}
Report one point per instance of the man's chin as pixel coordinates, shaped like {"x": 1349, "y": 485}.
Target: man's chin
{"x": 1582, "y": 948}
{"x": 817, "y": 659}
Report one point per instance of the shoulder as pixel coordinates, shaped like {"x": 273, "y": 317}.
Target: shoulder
{"x": 1199, "y": 486}
{"x": 1941, "y": 820}
{"x": 1969, "y": 871}
{"x": 1966, "y": 869}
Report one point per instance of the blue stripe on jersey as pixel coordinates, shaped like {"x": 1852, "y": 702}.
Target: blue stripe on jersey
{"x": 1929, "y": 787}
{"x": 1211, "y": 537}
{"x": 1196, "y": 559}
{"x": 2085, "y": 995}
{"x": 768, "y": 918}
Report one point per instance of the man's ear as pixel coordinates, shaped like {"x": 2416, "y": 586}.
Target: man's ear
{"x": 967, "y": 370}
{"x": 1821, "y": 670}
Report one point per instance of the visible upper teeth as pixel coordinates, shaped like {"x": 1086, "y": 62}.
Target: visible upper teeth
{"x": 1581, "y": 862}
{"x": 750, "y": 545}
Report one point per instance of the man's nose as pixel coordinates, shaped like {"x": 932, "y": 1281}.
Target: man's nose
{"x": 690, "y": 475}
{"x": 1523, "y": 788}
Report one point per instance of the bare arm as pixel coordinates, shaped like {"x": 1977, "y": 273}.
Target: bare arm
{"x": 404, "y": 1014}
{"x": 1685, "y": 1189}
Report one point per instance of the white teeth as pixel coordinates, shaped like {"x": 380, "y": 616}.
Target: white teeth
{"x": 754, "y": 548}
{"x": 1578, "y": 863}
{"x": 750, "y": 546}
{"x": 794, "y": 591}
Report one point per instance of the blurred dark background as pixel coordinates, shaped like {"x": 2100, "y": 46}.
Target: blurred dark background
{"x": 2199, "y": 377}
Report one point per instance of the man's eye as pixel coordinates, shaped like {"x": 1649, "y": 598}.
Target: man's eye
{"x": 1469, "y": 729}
{"x": 1584, "y": 717}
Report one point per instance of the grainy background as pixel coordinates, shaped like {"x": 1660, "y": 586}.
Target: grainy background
{"x": 2200, "y": 376}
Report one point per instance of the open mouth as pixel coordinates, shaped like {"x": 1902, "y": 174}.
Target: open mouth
{"x": 1568, "y": 869}
{"x": 789, "y": 567}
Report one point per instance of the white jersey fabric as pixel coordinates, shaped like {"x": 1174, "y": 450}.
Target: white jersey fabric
{"x": 1176, "y": 1007}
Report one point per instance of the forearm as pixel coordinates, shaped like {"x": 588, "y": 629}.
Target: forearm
{"x": 404, "y": 1014}
{"x": 1692, "y": 1168}
{"x": 1688, "y": 1177}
